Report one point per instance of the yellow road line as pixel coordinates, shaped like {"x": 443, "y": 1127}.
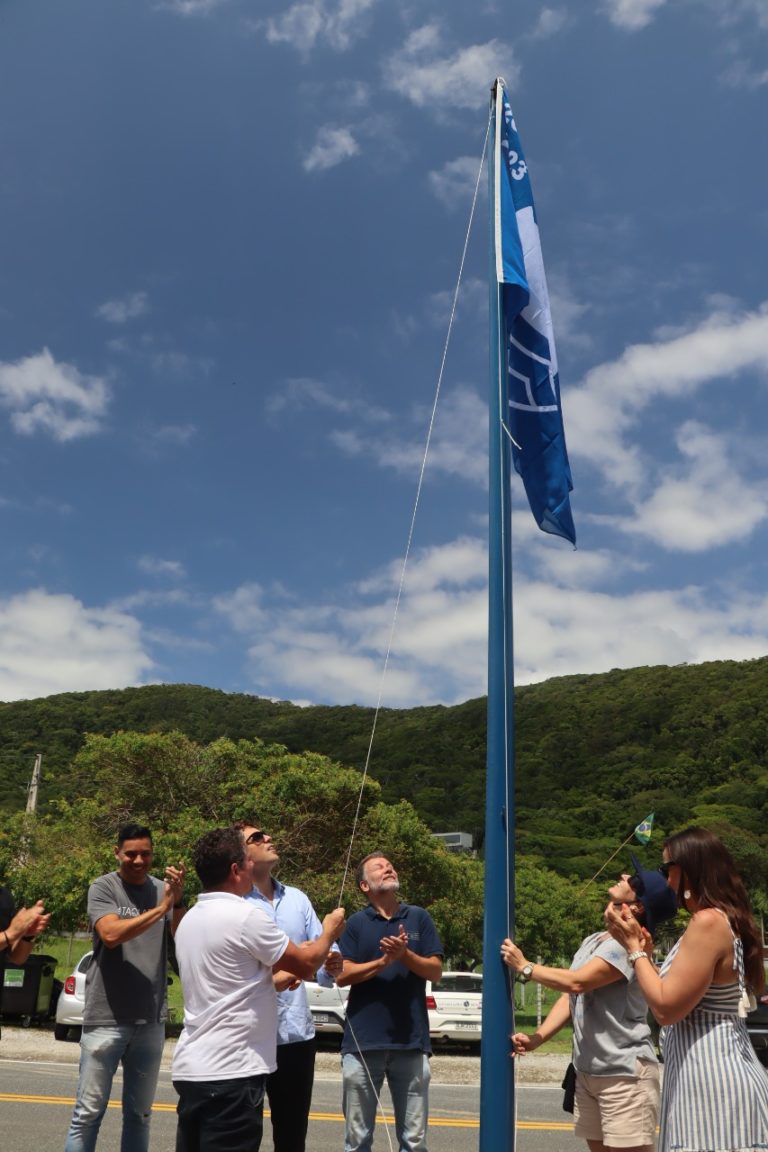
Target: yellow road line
{"x": 333, "y": 1117}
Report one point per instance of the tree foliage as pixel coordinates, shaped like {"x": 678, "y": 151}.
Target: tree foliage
{"x": 179, "y": 789}
{"x": 595, "y": 754}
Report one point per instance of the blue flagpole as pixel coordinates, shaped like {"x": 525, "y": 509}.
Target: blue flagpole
{"x": 497, "y": 1083}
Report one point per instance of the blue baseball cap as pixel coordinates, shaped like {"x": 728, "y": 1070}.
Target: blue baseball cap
{"x": 659, "y": 901}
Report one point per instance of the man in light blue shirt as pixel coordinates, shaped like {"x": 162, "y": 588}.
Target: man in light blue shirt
{"x": 289, "y": 1088}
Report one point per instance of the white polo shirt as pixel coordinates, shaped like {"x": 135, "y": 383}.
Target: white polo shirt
{"x": 226, "y": 947}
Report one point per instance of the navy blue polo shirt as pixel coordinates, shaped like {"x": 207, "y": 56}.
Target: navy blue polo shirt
{"x": 390, "y": 1009}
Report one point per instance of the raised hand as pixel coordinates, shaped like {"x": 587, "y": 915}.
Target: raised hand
{"x": 394, "y": 947}
{"x": 512, "y": 956}
{"x": 174, "y": 883}
{"x": 522, "y": 1043}
{"x": 334, "y": 923}
{"x": 30, "y": 921}
{"x": 334, "y": 963}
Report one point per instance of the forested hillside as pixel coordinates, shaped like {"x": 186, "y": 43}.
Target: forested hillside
{"x": 595, "y": 753}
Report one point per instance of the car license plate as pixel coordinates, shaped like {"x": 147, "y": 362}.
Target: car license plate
{"x": 321, "y": 1017}
{"x": 469, "y": 1027}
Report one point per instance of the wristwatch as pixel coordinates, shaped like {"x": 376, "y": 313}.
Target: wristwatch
{"x": 525, "y": 973}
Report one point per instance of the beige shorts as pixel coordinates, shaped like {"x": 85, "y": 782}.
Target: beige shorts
{"x": 622, "y": 1111}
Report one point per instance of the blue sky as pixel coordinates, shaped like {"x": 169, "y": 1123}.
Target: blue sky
{"x": 230, "y": 233}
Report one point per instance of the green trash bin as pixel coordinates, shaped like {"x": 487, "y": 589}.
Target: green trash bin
{"x": 27, "y": 989}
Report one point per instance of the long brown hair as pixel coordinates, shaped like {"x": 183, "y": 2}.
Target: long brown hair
{"x": 708, "y": 870}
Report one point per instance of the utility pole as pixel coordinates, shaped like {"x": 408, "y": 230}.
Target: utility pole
{"x": 34, "y": 784}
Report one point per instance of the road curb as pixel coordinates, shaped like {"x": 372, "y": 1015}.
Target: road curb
{"x": 448, "y": 1067}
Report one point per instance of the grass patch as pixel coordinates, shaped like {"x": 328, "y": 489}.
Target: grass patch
{"x": 68, "y": 950}
{"x": 526, "y": 1017}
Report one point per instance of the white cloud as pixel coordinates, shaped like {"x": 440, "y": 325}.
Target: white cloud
{"x": 741, "y": 74}
{"x": 454, "y": 184}
{"x": 550, "y": 22}
{"x": 173, "y": 433}
{"x": 569, "y": 313}
{"x": 731, "y": 11}
{"x": 191, "y": 7}
{"x": 124, "y": 308}
{"x": 632, "y": 14}
{"x": 336, "y": 651}
{"x": 600, "y": 413}
{"x": 243, "y": 607}
{"x": 472, "y": 301}
{"x": 156, "y": 598}
{"x": 459, "y": 443}
{"x": 179, "y": 364}
{"x": 423, "y": 74}
{"x": 299, "y": 26}
{"x": 709, "y": 504}
{"x": 564, "y": 624}
{"x": 561, "y": 631}
{"x": 303, "y": 24}
{"x": 333, "y": 145}
{"x": 54, "y": 643}
{"x": 156, "y": 566}
{"x": 304, "y": 392}
{"x": 50, "y": 397}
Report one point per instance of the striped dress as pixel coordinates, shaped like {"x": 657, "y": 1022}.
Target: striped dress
{"x": 715, "y": 1091}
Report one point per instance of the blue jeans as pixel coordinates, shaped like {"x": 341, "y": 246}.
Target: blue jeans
{"x": 407, "y": 1074}
{"x": 139, "y": 1048}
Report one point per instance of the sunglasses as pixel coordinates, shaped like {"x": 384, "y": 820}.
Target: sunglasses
{"x": 256, "y": 837}
{"x": 665, "y": 867}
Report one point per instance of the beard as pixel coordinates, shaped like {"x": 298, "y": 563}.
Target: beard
{"x": 385, "y": 886}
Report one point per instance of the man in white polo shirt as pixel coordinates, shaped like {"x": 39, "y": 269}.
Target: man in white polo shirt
{"x": 227, "y": 949}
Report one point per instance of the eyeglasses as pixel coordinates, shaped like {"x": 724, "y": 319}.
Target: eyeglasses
{"x": 134, "y": 855}
{"x": 256, "y": 837}
{"x": 665, "y": 867}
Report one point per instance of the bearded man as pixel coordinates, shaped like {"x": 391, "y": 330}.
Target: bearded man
{"x": 390, "y": 950}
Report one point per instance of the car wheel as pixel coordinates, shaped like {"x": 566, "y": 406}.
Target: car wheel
{"x": 61, "y": 1031}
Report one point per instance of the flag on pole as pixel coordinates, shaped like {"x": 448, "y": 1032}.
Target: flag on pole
{"x": 535, "y": 421}
{"x": 644, "y": 829}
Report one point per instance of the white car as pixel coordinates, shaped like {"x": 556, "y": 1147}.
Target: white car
{"x": 328, "y": 1006}
{"x": 71, "y": 1003}
{"x": 455, "y": 1005}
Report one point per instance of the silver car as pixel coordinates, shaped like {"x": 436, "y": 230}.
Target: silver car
{"x": 71, "y": 1003}
{"x": 328, "y": 1006}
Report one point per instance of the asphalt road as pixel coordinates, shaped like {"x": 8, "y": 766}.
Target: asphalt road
{"x": 37, "y": 1095}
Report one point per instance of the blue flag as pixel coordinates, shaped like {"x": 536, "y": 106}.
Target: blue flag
{"x": 535, "y": 421}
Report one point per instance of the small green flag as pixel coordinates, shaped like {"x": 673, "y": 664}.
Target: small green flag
{"x": 644, "y": 829}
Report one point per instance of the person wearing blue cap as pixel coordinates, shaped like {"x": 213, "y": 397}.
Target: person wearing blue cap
{"x": 715, "y": 1089}
{"x": 617, "y": 1081}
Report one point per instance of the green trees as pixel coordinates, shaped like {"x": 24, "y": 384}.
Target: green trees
{"x": 594, "y": 755}
{"x": 180, "y": 788}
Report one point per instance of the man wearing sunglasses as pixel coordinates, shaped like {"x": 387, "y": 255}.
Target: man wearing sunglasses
{"x": 289, "y": 1087}
{"x": 125, "y": 991}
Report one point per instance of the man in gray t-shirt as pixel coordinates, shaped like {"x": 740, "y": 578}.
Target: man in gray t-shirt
{"x": 125, "y": 991}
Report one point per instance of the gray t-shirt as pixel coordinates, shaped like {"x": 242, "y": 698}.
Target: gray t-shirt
{"x": 610, "y": 1024}
{"x": 126, "y": 984}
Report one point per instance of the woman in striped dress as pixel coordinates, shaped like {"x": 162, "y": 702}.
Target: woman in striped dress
{"x": 715, "y": 1092}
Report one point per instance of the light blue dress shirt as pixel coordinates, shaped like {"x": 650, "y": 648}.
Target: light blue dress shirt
{"x": 292, "y": 911}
